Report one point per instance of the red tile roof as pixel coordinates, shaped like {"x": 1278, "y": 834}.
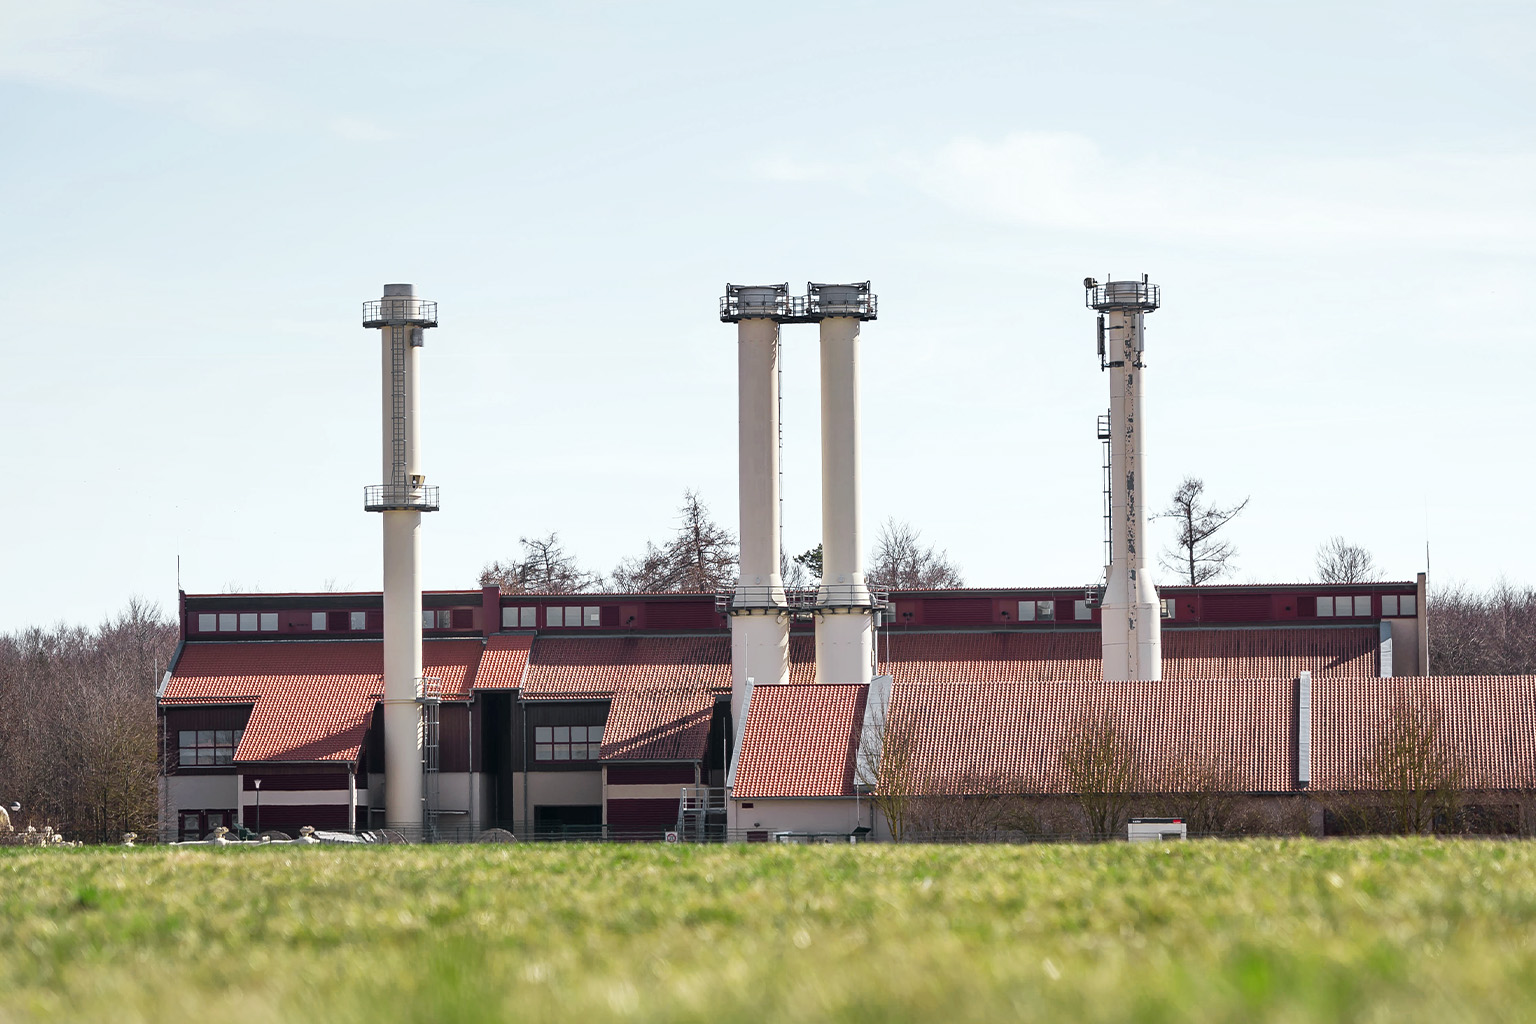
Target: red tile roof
{"x": 984, "y": 736}
{"x": 1489, "y": 720}
{"x": 567, "y": 667}
{"x": 800, "y": 741}
{"x": 658, "y": 725}
{"x": 504, "y": 662}
{"x": 1075, "y": 654}
{"x": 312, "y": 699}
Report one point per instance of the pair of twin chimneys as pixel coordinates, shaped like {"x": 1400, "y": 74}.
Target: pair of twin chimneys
{"x": 760, "y": 608}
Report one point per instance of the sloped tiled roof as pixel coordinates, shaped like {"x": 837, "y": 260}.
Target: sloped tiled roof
{"x": 574, "y": 667}
{"x": 1489, "y": 721}
{"x": 800, "y": 741}
{"x": 658, "y": 725}
{"x": 1075, "y": 654}
{"x": 504, "y": 662}
{"x": 1272, "y": 653}
{"x": 311, "y": 699}
{"x": 983, "y": 737}
{"x": 1009, "y": 737}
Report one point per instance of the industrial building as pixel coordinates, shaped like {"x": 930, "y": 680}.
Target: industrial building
{"x": 765, "y": 710}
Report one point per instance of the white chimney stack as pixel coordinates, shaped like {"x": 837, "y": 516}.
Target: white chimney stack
{"x": 1131, "y": 615}
{"x": 759, "y": 609}
{"x": 845, "y": 610}
{"x": 402, "y": 320}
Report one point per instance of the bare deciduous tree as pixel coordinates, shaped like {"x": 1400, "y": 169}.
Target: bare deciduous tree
{"x": 886, "y": 770}
{"x": 902, "y": 562}
{"x": 1197, "y": 556}
{"x": 1339, "y": 561}
{"x": 1102, "y": 770}
{"x": 77, "y": 721}
{"x": 545, "y": 567}
{"x": 1417, "y": 766}
{"x": 701, "y": 558}
{"x": 1482, "y": 633}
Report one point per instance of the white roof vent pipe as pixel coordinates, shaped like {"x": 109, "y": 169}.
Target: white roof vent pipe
{"x": 1303, "y": 730}
{"x": 1131, "y": 616}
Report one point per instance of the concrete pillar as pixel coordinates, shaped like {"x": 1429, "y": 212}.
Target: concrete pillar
{"x": 759, "y": 613}
{"x": 401, "y": 318}
{"x": 1131, "y": 616}
{"x": 845, "y": 624}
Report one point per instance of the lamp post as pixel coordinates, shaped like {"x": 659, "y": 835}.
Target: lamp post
{"x": 258, "y": 808}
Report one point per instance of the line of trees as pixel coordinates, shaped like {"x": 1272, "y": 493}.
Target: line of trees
{"x": 77, "y": 722}
{"x": 701, "y": 557}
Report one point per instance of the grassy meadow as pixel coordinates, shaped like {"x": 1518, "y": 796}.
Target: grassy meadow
{"x": 1230, "y": 931}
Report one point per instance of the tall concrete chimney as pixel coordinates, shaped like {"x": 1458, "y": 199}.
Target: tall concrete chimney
{"x": 759, "y": 609}
{"x": 1131, "y": 616}
{"x": 402, "y": 320}
{"x": 845, "y": 625}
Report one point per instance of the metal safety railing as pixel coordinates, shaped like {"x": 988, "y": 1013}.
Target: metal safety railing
{"x": 1124, "y": 295}
{"x": 388, "y": 497}
{"x": 399, "y": 312}
{"x": 821, "y": 302}
{"x": 745, "y": 600}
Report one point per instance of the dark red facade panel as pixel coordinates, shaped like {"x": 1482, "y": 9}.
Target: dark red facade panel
{"x": 683, "y": 615}
{"x": 650, "y": 774}
{"x": 960, "y": 611}
{"x": 642, "y": 819}
{"x": 305, "y": 782}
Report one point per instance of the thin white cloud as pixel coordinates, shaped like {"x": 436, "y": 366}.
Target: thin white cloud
{"x": 1069, "y": 182}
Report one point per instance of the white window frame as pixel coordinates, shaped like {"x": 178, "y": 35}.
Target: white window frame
{"x": 1026, "y": 611}
{"x": 229, "y": 622}
{"x": 317, "y": 621}
{"x": 1362, "y": 605}
{"x": 528, "y": 617}
{"x": 207, "y": 622}
{"x": 1408, "y": 604}
{"x": 554, "y": 617}
{"x": 591, "y": 616}
{"x": 1322, "y": 604}
{"x": 358, "y": 621}
{"x": 1082, "y": 611}
{"x": 1389, "y": 606}
{"x": 268, "y": 622}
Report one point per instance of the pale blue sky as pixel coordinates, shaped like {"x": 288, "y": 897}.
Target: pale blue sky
{"x": 1339, "y": 201}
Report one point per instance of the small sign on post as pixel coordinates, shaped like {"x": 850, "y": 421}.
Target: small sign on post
{"x": 671, "y": 837}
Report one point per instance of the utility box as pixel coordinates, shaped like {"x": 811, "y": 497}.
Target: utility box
{"x": 1155, "y": 830}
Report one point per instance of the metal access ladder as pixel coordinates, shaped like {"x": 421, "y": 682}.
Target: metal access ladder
{"x": 701, "y": 814}
{"x": 431, "y": 766}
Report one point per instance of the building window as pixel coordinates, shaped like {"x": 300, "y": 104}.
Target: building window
{"x": 207, "y": 623}
{"x": 207, "y": 746}
{"x": 248, "y": 622}
{"x": 1169, "y": 604}
{"x": 1037, "y": 611}
{"x": 1398, "y": 604}
{"x": 573, "y": 617}
{"x": 567, "y": 742}
{"x": 523, "y": 618}
{"x": 359, "y": 620}
{"x": 228, "y": 622}
{"x": 1082, "y": 610}
{"x": 1358, "y": 606}
{"x": 317, "y": 621}
{"x": 441, "y": 619}
{"x": 269, "y": 622}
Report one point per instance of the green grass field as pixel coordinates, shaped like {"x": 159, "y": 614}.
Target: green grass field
{"x": 1262, "y": 930}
